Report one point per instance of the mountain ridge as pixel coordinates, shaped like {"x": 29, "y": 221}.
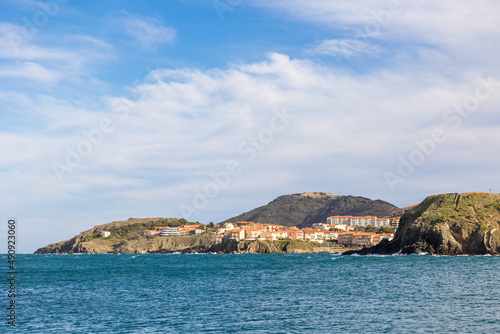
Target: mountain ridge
{"x": 304, "y": 209}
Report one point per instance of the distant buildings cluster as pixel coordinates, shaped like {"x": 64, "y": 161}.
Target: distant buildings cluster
{"x": 254, "y": 231}
{"x": 173, "y": 231}
{"x": 364, "y": 221}
{"x": 344, "y": 234}
{"x": 336, "y": 228}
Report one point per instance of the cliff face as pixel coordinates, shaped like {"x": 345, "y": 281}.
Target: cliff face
{"x": 448, "y": 224}
{"x": 270, "y": 247}
{"x": 184, "y": 244}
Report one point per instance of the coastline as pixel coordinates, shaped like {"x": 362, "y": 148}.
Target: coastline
{"x": 203, "y": 244}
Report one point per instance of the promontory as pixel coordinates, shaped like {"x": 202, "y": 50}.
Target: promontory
{"x": 447, "y": 224}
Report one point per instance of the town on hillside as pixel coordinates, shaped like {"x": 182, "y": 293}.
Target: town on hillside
{"x": 350, "y": 231}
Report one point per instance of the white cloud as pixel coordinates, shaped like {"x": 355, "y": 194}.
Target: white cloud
{"x": 189, "y": 123}
{"x": 147, "y": 31}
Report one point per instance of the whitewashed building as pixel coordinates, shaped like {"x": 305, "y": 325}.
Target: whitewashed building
{"x": 105, "y": 234}
{"x": 169, "y": 231}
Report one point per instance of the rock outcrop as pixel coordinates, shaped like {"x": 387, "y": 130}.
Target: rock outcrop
{"x": 447, "y": 224}
{"x": 270, "y": 247}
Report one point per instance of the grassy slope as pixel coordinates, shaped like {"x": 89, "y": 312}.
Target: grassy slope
{"x": 473, "y": 210}
{"x": 449, "y": 224}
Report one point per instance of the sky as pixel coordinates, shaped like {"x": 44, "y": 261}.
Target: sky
{"x": 207, "y": 109}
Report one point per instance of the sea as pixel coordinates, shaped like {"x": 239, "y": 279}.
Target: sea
{"x": 253, "y": 293}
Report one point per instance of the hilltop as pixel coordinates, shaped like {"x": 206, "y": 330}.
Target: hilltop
{"x": 447, "y": 224}
{"x": 303, "y": 210}
{"x": 127, "y": 237}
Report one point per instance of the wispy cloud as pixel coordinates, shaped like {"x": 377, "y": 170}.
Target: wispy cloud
{"x": 29, "y": 70}
{"x": 148, "y": 32}
{"x": 14, "y": 45}
{"x": 39, "y": 60}
{"x": 90, "y": 42}
{"x": 344, "y": 47}
{"x": 413, "y": 28}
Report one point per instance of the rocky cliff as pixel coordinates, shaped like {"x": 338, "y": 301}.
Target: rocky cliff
{"x": 271, "y": 247}
{"x": 447, "y": 224}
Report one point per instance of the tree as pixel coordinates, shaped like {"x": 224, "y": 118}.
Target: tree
{"x": 385, "y": 229}
{"x": 370, "y": 228}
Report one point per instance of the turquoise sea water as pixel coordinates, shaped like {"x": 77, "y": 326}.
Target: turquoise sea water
{"x": 254, "y": 293}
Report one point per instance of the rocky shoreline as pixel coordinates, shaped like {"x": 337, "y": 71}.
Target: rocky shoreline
{"x": 204, "y": 243}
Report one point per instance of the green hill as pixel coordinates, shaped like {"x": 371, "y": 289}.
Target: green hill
{"x": 305, "y": 209}
{"x": 126, "y": 237}
{"x": 448, "y": 224}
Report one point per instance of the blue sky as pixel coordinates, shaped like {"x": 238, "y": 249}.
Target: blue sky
{"x": 207, "y": 109}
